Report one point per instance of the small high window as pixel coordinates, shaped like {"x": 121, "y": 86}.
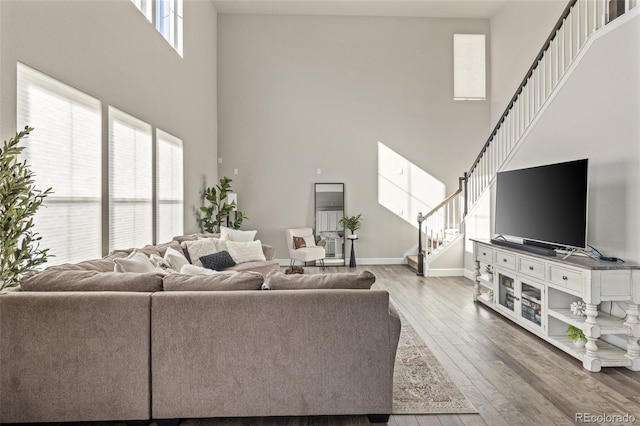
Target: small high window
{"x": 469, "y": 67}
{"x": 166, "y": 15}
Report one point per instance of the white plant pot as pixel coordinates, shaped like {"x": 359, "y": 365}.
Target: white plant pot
{"x": 579, "y": 343}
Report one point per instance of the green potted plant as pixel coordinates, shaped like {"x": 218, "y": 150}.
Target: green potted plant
{"x": 216, "y": 210}
{"x": 576, "y": 335}
{"x": 352, "y": 223}
{"x": 489, "y": 270}
{"x": 20, "y": 251}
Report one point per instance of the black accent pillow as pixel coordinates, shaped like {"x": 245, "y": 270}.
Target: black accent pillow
{"x": 218, "y": 261}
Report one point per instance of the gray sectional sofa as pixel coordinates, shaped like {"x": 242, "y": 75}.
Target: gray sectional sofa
{"x": 82, "y": 343}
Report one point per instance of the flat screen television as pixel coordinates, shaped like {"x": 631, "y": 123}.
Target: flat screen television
{"x": 545, "y": 204}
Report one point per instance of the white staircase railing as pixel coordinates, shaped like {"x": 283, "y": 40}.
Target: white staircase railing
{"x": 445, "y": 221}
{"x": 580, "y": 19}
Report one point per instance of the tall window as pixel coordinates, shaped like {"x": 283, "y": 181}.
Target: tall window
{"x": 64, "y": 151}
{"x": 469, "y": 69}
{"x": 130, "y": 181}
{"x": 169, "y": 187}
{"x": 167, "y": 19}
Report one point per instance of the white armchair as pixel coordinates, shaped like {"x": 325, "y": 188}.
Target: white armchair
{"x": 307, "y": 251}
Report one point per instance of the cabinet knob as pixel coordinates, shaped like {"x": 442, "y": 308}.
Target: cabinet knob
{"x": 564, "y": 277}
{"x": 484, "y": 254}
{"x": 531, "y": 268}
{"x": 504, "y": 260}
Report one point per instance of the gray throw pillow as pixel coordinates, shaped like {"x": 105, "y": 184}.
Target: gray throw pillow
{"x": 276, "y": 280}
{"x": 218, "y": 261}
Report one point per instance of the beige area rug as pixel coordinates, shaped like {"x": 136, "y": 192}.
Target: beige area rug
{"x": 420, "y": 383}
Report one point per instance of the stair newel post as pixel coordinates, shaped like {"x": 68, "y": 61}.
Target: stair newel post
{"x": 465, "y": 179}
{"x": 420, "y": 255}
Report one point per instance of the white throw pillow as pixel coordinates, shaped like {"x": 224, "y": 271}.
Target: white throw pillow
{"x": 175, "y": 259}
{"x": 137, "y": 261}
{"x": 236, "y": 235}
{"x": 199, "y": 248}
{"x": 309, "y": 240}
{"x": 245, "y": 251}
{"x": 199, "y": 270}
{"x": 221, "y": 245}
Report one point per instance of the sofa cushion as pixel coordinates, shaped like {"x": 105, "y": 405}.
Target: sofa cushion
{"x": 60, "y": 280}
{"x": 237, "y": 235}
{"x": 217, "y": 261}
{"x": 100, "y": 265}
{"x": 198, "y": 248}
{"x": 246, "y": 251}
{"x": 137, "y": 261}
{"x": 217, "y": 281}
{"x": 276, "y": 280}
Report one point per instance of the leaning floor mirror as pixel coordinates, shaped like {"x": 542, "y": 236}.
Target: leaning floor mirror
{"x": 329, "y": 207}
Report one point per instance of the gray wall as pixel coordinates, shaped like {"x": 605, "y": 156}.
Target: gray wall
{"x": 110, "y": 51}
{"x": 301, "y": 93}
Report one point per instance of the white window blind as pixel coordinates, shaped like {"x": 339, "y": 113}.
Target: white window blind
{"x": 145, "y": 7}
{"x": 169, "y": 187}
{"x": 469, "y": 69}
{"x": 64, "y": 152}
{"x": 130, "y": 181}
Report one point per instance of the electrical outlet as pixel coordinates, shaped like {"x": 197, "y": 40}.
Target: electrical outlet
{"x": 319, "y": 171}
{"x": 235, "y": 171}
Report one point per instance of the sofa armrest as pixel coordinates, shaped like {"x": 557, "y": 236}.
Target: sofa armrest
{"x": 394, "y": 332}
{"x": 269, "y": 252}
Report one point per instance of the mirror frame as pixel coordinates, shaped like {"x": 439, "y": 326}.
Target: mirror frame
{"x": 331, "y": 261}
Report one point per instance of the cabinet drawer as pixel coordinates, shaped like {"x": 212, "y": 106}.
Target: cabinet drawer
{"x": 505, "y": 260}
{"x": 531, "y": 267}
{"x": 566, "y": 278}
{"x": 484, "y": 254}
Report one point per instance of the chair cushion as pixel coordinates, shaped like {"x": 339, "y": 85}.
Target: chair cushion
{"x": 276, "y": 280}
{"x": 308, "y": 254}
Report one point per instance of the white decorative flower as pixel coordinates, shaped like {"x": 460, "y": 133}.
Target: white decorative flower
{"x": 578, "y": 308}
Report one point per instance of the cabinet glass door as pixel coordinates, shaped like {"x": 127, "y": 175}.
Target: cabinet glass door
{"x": 531, "y": 303}
{"x": 506, "y": 294}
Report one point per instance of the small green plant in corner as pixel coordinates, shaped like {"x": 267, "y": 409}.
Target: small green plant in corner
{"x": 215, "y": 209}
{"x": 20, "y": 250}
{"x": 575, "y": 334}
{"x": 352, "y": 223}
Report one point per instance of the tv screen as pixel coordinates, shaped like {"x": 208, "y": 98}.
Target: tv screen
{"x": 546, "y": 204}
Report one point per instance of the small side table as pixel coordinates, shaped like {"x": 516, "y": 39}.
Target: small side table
{"x": 352, "y": 260}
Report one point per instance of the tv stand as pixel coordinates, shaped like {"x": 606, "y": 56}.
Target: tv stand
{"x": 531, "y": 247}
{"x": 536, "y": 293}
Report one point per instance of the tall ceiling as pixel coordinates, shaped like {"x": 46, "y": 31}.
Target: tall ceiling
{"x": 411, "y": 8}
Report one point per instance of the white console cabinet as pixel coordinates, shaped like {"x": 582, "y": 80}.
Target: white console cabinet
{"x": 536, "y": 292}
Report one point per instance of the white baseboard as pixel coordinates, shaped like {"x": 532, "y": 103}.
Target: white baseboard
{"x": 360, "y": 261}
{"x": 468, "y": 274}
{"x": 444, "y": 272}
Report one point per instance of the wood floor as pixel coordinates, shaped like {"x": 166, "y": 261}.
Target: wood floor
{"x": 510, "y": 376}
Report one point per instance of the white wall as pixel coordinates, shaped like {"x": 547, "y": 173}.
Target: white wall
{"x": 110, "y": 51}
{"x": 298, "y": 93}
{"x": 518, "y": 32}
